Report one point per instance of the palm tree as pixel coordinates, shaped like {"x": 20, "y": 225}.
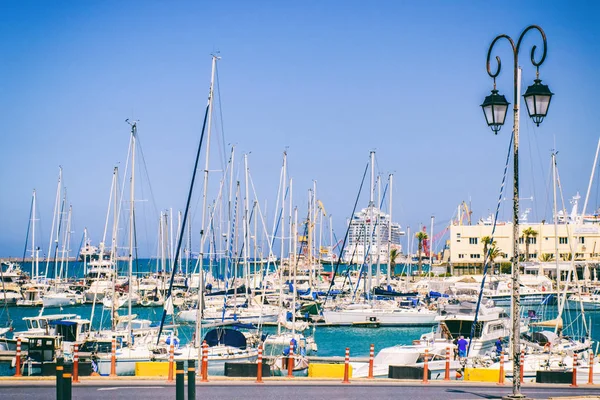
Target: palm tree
{"x": 495, "y": 252}
{"x": 420, "y": 237}
{"x": 487, "y": 241}
{"x": 528, "y": 233}
{"x": 546, "y": 257}
{"x": 394, "y": 253}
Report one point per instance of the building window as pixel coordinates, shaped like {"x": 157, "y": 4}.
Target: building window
{"x": 475, "y": 255}
{"x": 461, "y": 256}
{"x": 581, "y": 240}
{"x": 458, "y": 235}
{"x": 532, "y": 240}
{"x": 472, "y": 240}
{"x": 521, "y": 240}
{"x": 533, "y": 256}
{"x": 563, "y": 240}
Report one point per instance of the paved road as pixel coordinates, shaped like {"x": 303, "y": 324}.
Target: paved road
{"x": 284, "y": 391}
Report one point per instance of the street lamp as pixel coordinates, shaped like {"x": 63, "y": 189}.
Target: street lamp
{"x": 537, "y": 98}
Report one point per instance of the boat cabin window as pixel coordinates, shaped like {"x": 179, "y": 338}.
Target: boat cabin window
{"x": 68, "y": 330}
{"x": 85, "y": 327}
{"x": 96, "y": 347}
{"x": 495, "y": 328}
{"x": 43, "y": 323}
{"x": 503, "y": 314}
{"x": 463, "y": 328}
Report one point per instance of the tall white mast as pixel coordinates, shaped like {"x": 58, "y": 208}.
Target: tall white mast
{"x": 54, "y": 220}
{"x": 587, "y": 196}
{"x": 33, "y": 260}
{"x": 378, "y": 230}
{"x": 246, "y": 227}
{"x": 431, "y": 248}
{"x": 131, "y": 216}
{"x": 389, "y": 250}
{"x": 204, "y": 190}
{"x": 369, "y": 238}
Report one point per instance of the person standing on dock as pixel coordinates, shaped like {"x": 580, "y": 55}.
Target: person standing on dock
{"x": 462, "y": 347}
{"x": 499, "y": 346}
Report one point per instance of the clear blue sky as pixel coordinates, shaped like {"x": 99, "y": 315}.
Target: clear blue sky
{"x": 328, "y": 80}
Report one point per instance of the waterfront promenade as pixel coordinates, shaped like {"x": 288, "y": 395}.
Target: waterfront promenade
{"x": 281, "y": 388}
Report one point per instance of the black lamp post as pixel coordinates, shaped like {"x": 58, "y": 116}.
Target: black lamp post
{"x": 537, "y": 98}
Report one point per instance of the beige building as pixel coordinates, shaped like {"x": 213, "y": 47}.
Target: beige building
{"x": 581, "y": 240}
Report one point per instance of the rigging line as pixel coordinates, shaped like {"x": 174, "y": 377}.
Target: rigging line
{"x": 491, "y": 244}
{"x": 139, "y": 146}
{"x": 183, "y": 223}
{"x": 27, "y": 234}
{"x": 220, "y": 113}
{"x": 337, "y": 265}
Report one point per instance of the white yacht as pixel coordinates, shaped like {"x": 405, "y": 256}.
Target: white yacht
{"x": 382, "y": 313}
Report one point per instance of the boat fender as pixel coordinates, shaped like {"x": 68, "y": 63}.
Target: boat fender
{"x": 509, "y": 285}
{"x": 13, "y": 362}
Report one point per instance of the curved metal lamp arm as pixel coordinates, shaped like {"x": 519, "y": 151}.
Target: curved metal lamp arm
{"x": 512, "y": 45}
{"x": 541, "y": 31}
{"x": 516, "y": 49}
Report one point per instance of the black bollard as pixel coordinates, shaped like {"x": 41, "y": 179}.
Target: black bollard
{"x": 179, "y": 381}
{"x": 60, "y": 361}
{"x": 191, "y": 379}
{"x": 67, "y": 381}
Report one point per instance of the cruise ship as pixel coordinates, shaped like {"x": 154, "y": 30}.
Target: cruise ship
{"x": 369, "y": 237}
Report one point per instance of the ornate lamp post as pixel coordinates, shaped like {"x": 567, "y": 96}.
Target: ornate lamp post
{"x": 537, "y": 98}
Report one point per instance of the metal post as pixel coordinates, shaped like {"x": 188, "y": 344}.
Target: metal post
{"x": 347, "y": 366}
{"x": 515, "y": 309}
{"x": 259, "y": 365}
{"x": 574, "y": 379}
{"x": 67, "y": 386}
{"x": 179, "y": 382}
{"x": 447, "y": 374}
{"x": 290, "y": 364}
{"x": 191, "y": 373}
{"x": 60, "y": 362}
{"x": 501, "y": 374}
{"x": 522, "y": 366}
{"x": 76, "y": 363}
{"x": 426, "y": 368}
{"x": 204, "y": 362}
{"x": 113, "y": 358}
{"x": 171, "y": 361}
{"x": 591, "y": 368}
{"x": 18, "y": 359}
{"x": 371, "y": 359}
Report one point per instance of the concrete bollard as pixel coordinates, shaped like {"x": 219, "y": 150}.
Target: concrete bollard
{"x": 60, "y": 362}
{"x": 501, "y": 374}
{"x": 447, "y": 373}
{"x": 347, "y": 366}
{"x": 67, "y": 384}
{"x": 76, "y": 363}
{"x": 171, "y": 361}
{"x": 113, "y": 359}
{"x": 259, "y": 365}
{"x": 204, "y": 362}
{"x": 371, "y": 360}
{"x": 574, "y": 381}
{"x": 426, "y": 368}
{"x": 290, "y": 366}
{"x": 179, "y": 382}
{"x": 591, "y": 367}
{"x": 522, "y": 366}
{"x": 18, "y": 359}
{"x": 191, "y": 379}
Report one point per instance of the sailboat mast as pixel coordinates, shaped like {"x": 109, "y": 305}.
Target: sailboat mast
{"x": 587, "y": 196}
{"x": 131, "y": 222}
{"x": 203, "y": 220}
{"x": 389, "y": 242}
{"x": 371, "y": 227}
{"x": 35, "y": 266}
{"x": 54, "y": 220}
{"x": 246, "y": 228}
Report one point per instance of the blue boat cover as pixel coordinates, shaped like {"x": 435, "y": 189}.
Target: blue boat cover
{"x": 228, "y": 337}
